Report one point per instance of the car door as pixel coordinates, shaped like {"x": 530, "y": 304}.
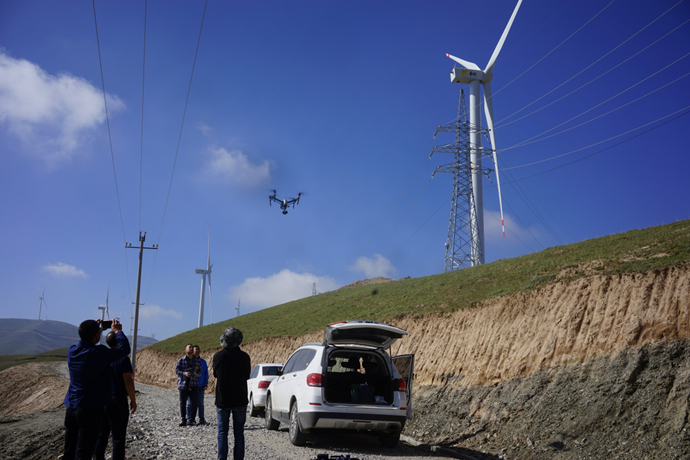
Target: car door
{"x": 405, "y": 366}
{"x": 281, "y": 387}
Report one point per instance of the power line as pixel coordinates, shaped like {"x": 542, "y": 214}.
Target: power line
{"x": 184, "y": 113}
{"x": 592, "y": 64}
{"x": 605, "y": 149}
{"x": 554, "y": 49}
{"x": 586, "y": 84}
{"x": 532, "y": 139}
{"x": 143, "y": 80}
{"x": 110, "y": 139}
{"x": 179, "y": 138}
{"x": 596, "y": 143}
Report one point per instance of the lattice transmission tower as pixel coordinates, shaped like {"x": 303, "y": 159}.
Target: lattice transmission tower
{"x": 462, "y": 246}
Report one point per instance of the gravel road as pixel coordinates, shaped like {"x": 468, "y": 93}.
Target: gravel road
{"x": 153, "y": 433}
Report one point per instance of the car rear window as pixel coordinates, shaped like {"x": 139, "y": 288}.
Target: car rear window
{"x": 270, "y": 370}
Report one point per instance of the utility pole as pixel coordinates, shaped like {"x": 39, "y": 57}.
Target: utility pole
{"x": 464, "y": 247}
{"x": 142, "y": 238}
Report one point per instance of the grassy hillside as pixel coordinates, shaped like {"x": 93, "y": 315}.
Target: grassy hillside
{"x": 633, "y": 251}
{"x": 7, "y": 361}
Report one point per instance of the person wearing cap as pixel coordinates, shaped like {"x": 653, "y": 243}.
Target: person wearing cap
{"x": 89, "y": 387}
{"x": 231, "y": 367}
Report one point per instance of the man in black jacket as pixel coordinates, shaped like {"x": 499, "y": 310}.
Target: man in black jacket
{"x": 231, "y": 367}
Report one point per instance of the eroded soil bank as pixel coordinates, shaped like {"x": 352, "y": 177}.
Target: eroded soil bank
{"x": 601, "y": 359}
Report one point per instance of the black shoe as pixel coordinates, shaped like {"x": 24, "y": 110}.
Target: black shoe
{"x": 203, "y": 423}
{"x": 183, "y": 423}
{"x": 191, "y": 423}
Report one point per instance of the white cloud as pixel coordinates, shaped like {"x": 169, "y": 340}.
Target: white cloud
{"x": 50, "y": 114}
{"x": 279, "y": 288}
{"x": 204, "y": 128}
{"x": 60, "y": 269}
{"x": 376, "y": 266}
{"x": 234, "y": 167}
{"x": 156, "y": 312}
{"x": 518, "y": 240}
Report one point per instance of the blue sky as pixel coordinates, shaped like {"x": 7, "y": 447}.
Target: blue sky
{"x": 337, "y": 100}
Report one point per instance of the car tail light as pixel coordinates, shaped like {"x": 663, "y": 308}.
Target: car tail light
{"x": 314, "y": 380}
{"x": 264, "y": 383}
{"x": 402, "y": 385}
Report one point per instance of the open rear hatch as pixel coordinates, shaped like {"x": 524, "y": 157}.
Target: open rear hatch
{"x": 366, "y": 333}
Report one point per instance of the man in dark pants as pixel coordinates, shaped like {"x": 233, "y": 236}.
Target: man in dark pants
{"x": 188, "y": 369}
{"x": 89, "y": 387}
{"x": 201, "y": 385}
{"x": 117, "y": 413}
{"x": 231, "y": 367}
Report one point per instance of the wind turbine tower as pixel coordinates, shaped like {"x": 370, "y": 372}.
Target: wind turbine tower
{"x": 203, "y": 272}
{"x": 474, "y": 76}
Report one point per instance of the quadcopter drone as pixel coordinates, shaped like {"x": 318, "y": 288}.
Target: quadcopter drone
{"x": 283, "y": 203}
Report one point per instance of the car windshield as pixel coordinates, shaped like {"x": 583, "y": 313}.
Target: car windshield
{"x": 270, "y": 370}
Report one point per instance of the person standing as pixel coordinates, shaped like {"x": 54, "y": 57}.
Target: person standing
{"x": 231, "y": 368}
{"x": 202, "y": 384}
{"x": 188, "y": 369}
{"x": 117, "y": 413}
{"x": 89, "y": 387}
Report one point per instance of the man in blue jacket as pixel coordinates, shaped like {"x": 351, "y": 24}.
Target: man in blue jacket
{"x": 202, "y": 384}
{"x": 89, "y": 387}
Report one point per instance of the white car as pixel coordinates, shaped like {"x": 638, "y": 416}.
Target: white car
{"x": 348, "y": 382}
{"x": 259, "y": 379}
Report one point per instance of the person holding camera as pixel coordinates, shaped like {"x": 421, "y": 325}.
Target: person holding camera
{"x": 231, "y": 367}
{"x": 89, "y": 386}
{"x": 188, "y": 370}
{"x": 116, "y": 415}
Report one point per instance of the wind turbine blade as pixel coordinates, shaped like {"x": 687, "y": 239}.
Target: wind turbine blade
{"x": 465, "y": 64}
{"x": 208, "y": 261}
{"x": 489, "y": 113}
{"x": 492, "y": 61}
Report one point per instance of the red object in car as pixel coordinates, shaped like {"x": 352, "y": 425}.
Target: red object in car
{"x": 314, "y": 380}
{"x": 264, "y": 383}
{"x": 402, "y": 386}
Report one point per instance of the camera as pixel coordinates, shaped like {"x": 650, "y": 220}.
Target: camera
{"x": 106, "y": 325}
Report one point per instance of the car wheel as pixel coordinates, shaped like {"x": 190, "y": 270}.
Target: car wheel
{"x": 253, "y": 411}
{"x": 297, "y": 438}
{"x": 389, "y": 439}
{"x": 269, "y": 423}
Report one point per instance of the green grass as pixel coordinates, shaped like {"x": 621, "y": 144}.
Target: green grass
{"x": 631, "y": 252}
{"x": 7, "y": 361}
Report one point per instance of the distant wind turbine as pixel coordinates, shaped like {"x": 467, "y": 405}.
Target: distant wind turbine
{"x": 42, "y": 301}
{"x": 104, "y": 310}
{"x": 474, "y": 76}
{"x": 238, "y": 306}
{"x": 204, "y": 272}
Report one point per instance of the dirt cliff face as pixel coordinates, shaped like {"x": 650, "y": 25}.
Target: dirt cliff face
{"x": 592, "y": 367}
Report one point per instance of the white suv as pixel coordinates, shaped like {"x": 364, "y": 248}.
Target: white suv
{"x": 348, "y": 382}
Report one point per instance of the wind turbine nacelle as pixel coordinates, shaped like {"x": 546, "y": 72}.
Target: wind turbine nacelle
{"x": 460, "y": 75}
{"x": 200, "y": 271}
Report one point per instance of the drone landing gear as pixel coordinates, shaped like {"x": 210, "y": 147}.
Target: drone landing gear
{"x": 284, "y": 212}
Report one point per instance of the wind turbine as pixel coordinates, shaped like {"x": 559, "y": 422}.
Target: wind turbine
{"x": 204, "y": 272}
{"x": 42, "y": 301}
{"x": 474, "y": 76}
{"x": 104, "y": 310}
